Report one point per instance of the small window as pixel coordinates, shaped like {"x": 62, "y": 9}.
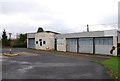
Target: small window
{"x": 40, "y": 43}
{"x": 43, "y": 42}
{"x": 106, "y": 42}
{"x": 97, "y": 42}
{"x": 85, "y": 42}
{"x": 110, "y": 42}
{"x": 40, "y": 39}
{"x": 101, "y": 41}
{"x": 36, "y": 42}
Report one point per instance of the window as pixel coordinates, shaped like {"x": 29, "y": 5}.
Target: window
{"x": 40, "y": 39}
{"x": 106, "y": 42}
{"x": 36, "y": 42}
{"x": 85, "y": 41}
{"x": 73, "y": 41}
{"x": 103, "y": 41}
{"x": 43, "y": 42}
{"x": 110, "y": 42}
{"x": 97, "y": 41}
{"x": 40, "y": 43}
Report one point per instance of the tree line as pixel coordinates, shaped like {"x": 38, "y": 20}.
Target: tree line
{"x": 21, "y": 41}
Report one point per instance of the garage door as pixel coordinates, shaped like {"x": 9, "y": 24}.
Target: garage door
{"x": 103, "y": 45}
{"x": 86, "y": 45}
{"x": 72, "y": 45}
{"x": 31, "y": 43}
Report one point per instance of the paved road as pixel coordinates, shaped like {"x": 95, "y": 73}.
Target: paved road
{"x": 52, "y": 65}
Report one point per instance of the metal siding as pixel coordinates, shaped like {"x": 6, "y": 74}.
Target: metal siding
{"x": 31, "y": 43}
{"x": 72, "y": 45}
{"x": 86, "y": 45}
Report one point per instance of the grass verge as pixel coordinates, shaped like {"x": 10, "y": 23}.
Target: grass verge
{"x": 113, "y": 67}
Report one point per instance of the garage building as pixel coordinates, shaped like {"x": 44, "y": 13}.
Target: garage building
{"x": 94, "y": 42}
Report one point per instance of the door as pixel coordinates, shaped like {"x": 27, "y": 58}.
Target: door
{"x": 103, "y": 45}
{"x": 55, "y": 44}
{"x": 118, "y": 49}
{"x": 72, "y": 45}
{"x": 86, "y": 45}
{"x": 31, "y": 43}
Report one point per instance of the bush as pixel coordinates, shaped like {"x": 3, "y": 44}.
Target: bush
{"x": 21, "y": 41}
{"x": 20, "y": 44}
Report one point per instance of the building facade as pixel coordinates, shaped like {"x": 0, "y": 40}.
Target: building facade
{"x": 43, "y": 40}
{"x": 96, "y": 42}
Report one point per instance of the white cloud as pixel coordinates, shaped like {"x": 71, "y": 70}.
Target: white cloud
{"x": 9, "y": 19}
{"x": 57, "y": 15}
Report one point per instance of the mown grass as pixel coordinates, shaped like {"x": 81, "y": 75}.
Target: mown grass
{"x": 113, "y": 67}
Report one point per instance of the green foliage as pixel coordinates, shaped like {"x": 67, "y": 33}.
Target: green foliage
{"x": 113, "y": 66}
{"x": 112, "y": 63}
{"x": 0, "y": 43}
{"x": 40, "y": 29}
{"x": 23, "y": 37}
{"x": 22, "y": 41}
{"x": 19, "y": 44}
{"x": 5, "y": 41}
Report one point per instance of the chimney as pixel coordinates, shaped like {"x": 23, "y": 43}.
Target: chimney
{"x": 87, "y": 28}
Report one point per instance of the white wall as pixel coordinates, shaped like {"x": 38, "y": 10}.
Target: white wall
{"x": 49, "y": 39}
{"x": 31, "y": 35}
{"x": 27, "y": 42}
{"x": 115, "y": 44}
{"x": 110, "y": 33}
{"x": 61, "y": 44}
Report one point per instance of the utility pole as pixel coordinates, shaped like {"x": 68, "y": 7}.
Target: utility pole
{"x": 87, "y": 28}
{"x": 10, "y": 42}
{"x": 17, "y": 36}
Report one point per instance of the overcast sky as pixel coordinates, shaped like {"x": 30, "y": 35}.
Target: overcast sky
{"x": 63, "y": 16}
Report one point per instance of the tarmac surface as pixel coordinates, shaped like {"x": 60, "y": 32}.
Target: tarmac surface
{"x": 36, "y": 64}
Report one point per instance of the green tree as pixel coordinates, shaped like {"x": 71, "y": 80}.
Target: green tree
{"x": 40, "y": 29}
{"x": 4, "y": 39}
{"x": 22, "y": 41}
{"x": 22, "y": 37}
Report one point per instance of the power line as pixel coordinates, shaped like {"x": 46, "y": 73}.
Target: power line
{"x": 91, "y": 25}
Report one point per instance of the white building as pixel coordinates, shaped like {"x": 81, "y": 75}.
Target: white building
{"x": 43, "y": 40}
{"x": 94, "y": 42}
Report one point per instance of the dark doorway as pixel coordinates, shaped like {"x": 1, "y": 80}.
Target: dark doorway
{"x": 118, "y": 49}
{"x": 55, "y": 44}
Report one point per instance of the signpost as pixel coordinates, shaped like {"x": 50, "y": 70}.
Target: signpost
{"x": 10, "y": 43}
